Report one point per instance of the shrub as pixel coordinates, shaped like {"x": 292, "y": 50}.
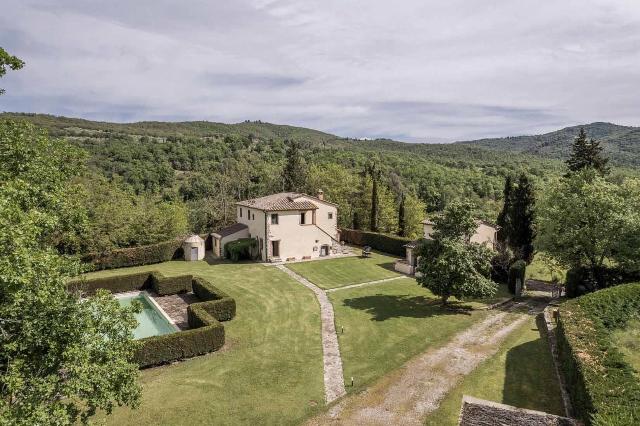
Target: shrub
{"x": 243, "y": 248}
{"x": 170, "y": 285}
{"x": 581, "y": 280}
{"x": 136, "y": 256}
{"x": 517, "y": 271}
{"x": 603, "y": 387}
{"x": 391, "y": 244}
{"x": 216, "y": 302}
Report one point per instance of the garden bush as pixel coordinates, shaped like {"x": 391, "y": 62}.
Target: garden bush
{"x": 170, "y": 285}
{"x": 603, "y": 387}
{"x": 581, "y": 281}
{"x": 215, "y": 301}
{"x": 136, "y": 256}
{"x": 391, "y": 244}
{"x": 243, "y": 248}
{"x": 134, "y": 282}
{"x": 517, "y": 271}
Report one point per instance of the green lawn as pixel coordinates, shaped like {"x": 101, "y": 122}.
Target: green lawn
{"x": 269, "y": 373}
{"x": 628, "y": 342}
{"x": 520, "y": 374}
{"x": 541, "y": 269}
{"x": 344, "y": 271}
{"x": 387, "y": 324}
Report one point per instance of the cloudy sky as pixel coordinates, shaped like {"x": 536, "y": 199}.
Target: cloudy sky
{"x": 413, "y": 70}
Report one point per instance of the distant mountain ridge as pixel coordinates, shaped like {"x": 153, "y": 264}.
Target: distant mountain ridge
{"x": 621, "y": 143}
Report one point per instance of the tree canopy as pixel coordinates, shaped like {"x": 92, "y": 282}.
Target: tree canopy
{"x": 8, "y": 61}
{"x": 62, "y": 357}
{"x": 587, "y": 154}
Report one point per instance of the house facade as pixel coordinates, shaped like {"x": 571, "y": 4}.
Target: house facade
{"x": 485, "y": 233}
{"x": 288, "y": 226}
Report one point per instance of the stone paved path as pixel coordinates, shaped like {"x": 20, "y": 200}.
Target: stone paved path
{"x": 175, "y": 306}
{"x": 406, "y": 396}
{"x": 331, "y": 290}
{"x": 333, "y": 376}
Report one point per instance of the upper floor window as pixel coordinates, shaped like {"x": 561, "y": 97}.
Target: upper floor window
{"x": 330, "y": 215}
{"x": 274, "y": 218}
{"x": 248, "y": 214}
{"x": 253, "y": 216}
{"x": 302, "y": 218}
{"x": 240, "y": 211}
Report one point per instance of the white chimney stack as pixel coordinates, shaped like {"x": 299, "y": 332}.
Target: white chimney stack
{"x": 320, "y": 195}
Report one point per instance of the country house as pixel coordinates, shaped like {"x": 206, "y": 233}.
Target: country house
{"x": 288, "y": 226}
{"x": 485, "y": 233}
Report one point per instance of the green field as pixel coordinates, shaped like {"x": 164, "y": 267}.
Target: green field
{"x": 345, "y": 271}
{"x": 270, "y": 370}
{"x": 541, "y": 269}
{"x": 628, "y": 342}
{"x": 387, "y": 324}
{"x": 521, "y": 374}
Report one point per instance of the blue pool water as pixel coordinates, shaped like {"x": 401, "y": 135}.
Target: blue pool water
{"x": 151, "y": 322}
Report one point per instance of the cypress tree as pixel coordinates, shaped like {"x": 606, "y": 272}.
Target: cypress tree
{"x": 523, "y": 231}
{"x": 402, "y": 222}
{"x": 373, "y": 223}
{"x": 587, "y": 154}
{"x": 294, "y": 173}
{"x": 505, "y": 216}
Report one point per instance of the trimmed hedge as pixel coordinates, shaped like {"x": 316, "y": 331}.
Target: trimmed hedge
{"x": 391, "y": 244}
{"x": 136, "y": 256}
{"x": 603, "y": 387}
{"x": 243, "y": 248}
{"x": 140, "y": 281}
{"x": 517, "y": 271}
{"x": 206, "y": 333}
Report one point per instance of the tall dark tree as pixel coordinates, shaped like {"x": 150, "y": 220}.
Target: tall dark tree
{"x": 294, "y": 173}
{"x": 8, "y": 61}
{"x": 587, "y": 154}
{"x": 523, "y": 226}
{"x": 505, "y": 216}
{"x": 374, "y": 172}
{"x": 402, "y": 221}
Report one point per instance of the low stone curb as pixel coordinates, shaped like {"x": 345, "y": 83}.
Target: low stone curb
{"x": 549, "y": 329}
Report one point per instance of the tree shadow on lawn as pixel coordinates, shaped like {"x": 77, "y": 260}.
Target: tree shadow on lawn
{"x": 529, "y": 380}
{"x": 383, "y": 306}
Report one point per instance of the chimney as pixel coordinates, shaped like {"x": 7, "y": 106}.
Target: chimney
{"x": 320, "y": 194}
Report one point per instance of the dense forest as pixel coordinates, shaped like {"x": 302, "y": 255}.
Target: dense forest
{"x": 149, "y": 181}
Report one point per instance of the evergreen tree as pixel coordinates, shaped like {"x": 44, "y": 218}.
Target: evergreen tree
{"x": 505, "y": 216}
{"x": 522, "y": 219}
{"x": 294, "y": 174}
{"x": 587, "y": 154}
{"x": 375, "y": 208}
{"x": 402, "y": 223}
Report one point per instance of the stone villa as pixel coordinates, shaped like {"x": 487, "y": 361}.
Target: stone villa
{"x": 288, "y": 226}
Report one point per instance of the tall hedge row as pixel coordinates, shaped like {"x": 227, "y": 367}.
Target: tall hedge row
{"x": 603, "y": 387}
{"x": 134, "y": 282}
{"x": 206, "y": 333}
{"x": 391, "y": 244}
{"x": 136, "y": 256}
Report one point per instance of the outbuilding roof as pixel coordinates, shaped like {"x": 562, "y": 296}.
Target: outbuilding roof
{"x": 194, "y": 239}
{"x": 230, "y": 230}
{"x": 280, "y": 202}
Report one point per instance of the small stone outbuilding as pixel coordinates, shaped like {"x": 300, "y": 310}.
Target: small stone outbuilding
{"x": 193, "y": 248}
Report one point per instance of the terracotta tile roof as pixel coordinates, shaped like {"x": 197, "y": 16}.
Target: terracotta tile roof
{"x": 229, "y": 230}
{"x": 279, "y": 202}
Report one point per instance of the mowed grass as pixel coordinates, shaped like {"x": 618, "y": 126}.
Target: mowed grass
{"x": 270, "y": 371}
{"x": 521, "y": 374}
{"x": 387, "y": 324}
{"x": 345, "y": 271}
{"x": 628, "y": 342}
{"x": 540, "y": 269}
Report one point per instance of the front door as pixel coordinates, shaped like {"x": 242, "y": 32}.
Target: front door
{"x": 194, "y": 253}
{"x": 275, "y": 248}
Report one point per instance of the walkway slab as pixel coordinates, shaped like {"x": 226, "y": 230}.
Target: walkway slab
{"x": 333, "y": 376}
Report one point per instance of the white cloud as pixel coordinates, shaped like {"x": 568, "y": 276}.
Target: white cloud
{"x": 413, "y": 70}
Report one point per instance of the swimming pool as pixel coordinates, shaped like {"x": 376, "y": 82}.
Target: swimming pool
{"x": 152, "y": 321}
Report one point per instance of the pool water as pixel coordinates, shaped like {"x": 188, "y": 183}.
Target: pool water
{"x": 151, "y": 322}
